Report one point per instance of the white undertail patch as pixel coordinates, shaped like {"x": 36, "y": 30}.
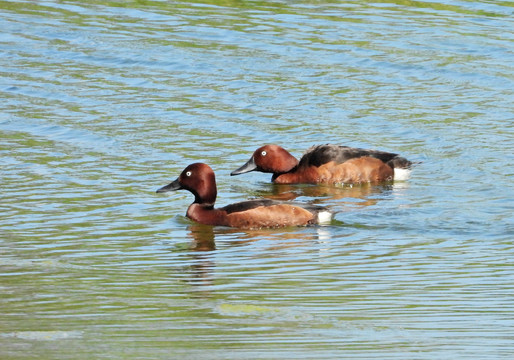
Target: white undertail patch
{"x": 401, "y": 174}
{"x": 324, "y": 217}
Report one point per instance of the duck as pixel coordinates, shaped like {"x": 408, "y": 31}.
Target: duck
{"x": 328, "y": 164}
{"x": 200, "y": 180}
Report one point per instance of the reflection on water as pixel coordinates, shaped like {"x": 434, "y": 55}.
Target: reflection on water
{"x": 362, "y": 195}
{"x": 203, "y": 271}
{"x": 102, "y": 100}
{"x": 203, "y": 237}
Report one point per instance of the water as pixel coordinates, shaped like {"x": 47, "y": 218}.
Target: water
{"x": 103, "y": 102}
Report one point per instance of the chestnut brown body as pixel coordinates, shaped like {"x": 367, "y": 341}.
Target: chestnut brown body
{"x": 199, "y": 179}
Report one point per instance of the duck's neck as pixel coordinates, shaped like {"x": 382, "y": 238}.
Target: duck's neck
{"x": 287, "y": 165}
{"x": 206, "y": 214}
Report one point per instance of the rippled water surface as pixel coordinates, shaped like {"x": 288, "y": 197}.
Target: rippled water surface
{"x": 103, "y": 102}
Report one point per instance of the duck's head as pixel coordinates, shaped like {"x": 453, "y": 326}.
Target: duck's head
{"x": 268, "y": 159}
{"x": 199, "y": 179}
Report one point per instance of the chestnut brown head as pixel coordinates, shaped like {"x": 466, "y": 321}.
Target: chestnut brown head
{"x": 199, "y": 179}
{"x": 268, "y": 159}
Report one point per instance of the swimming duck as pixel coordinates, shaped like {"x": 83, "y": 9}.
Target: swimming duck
{"x": 330, "y": 164}
{"x": 199, "y": 179}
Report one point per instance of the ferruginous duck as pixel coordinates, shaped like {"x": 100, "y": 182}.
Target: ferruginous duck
{"x": 329, "y": 164}
{"x": 199, "y": 179}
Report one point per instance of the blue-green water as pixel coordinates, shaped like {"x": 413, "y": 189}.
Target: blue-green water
{"x": 103, "y": 102}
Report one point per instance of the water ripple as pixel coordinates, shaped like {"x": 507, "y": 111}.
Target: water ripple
{"x": 105, "y": 102}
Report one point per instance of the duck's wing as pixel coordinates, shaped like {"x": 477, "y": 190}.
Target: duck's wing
{"x": 322, "y": 154}
{"x": 248, "y": 205}
{"x": 252, "y": 204}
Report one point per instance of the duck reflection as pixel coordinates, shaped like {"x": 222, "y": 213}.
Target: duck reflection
{"x": 203, "y": 237}
{"x": 346, "y": 194}
{"x": 202, "y": 250}
{"x": 201, "y": 265}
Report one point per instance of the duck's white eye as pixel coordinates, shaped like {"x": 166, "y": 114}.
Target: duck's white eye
{"x": 263, "y": 153}
{"x": 188, "y": 173}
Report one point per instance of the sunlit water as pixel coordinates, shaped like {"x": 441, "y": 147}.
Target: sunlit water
{"x": 103, "y": 102}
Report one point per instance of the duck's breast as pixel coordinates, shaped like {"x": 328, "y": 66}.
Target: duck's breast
{"x": 206, "y": 215}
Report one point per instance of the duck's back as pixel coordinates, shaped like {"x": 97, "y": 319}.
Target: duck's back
{"x": 322, "y": 154}
{"x": 336, "y": 164}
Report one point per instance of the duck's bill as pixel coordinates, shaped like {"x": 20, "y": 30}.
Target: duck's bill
{"x": 249, "y": 166}
{"x": 175, "y": 185}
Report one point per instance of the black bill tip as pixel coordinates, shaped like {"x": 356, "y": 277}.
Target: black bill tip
{"x": 249, "y": 166}
{"x": 175, "y": 185}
